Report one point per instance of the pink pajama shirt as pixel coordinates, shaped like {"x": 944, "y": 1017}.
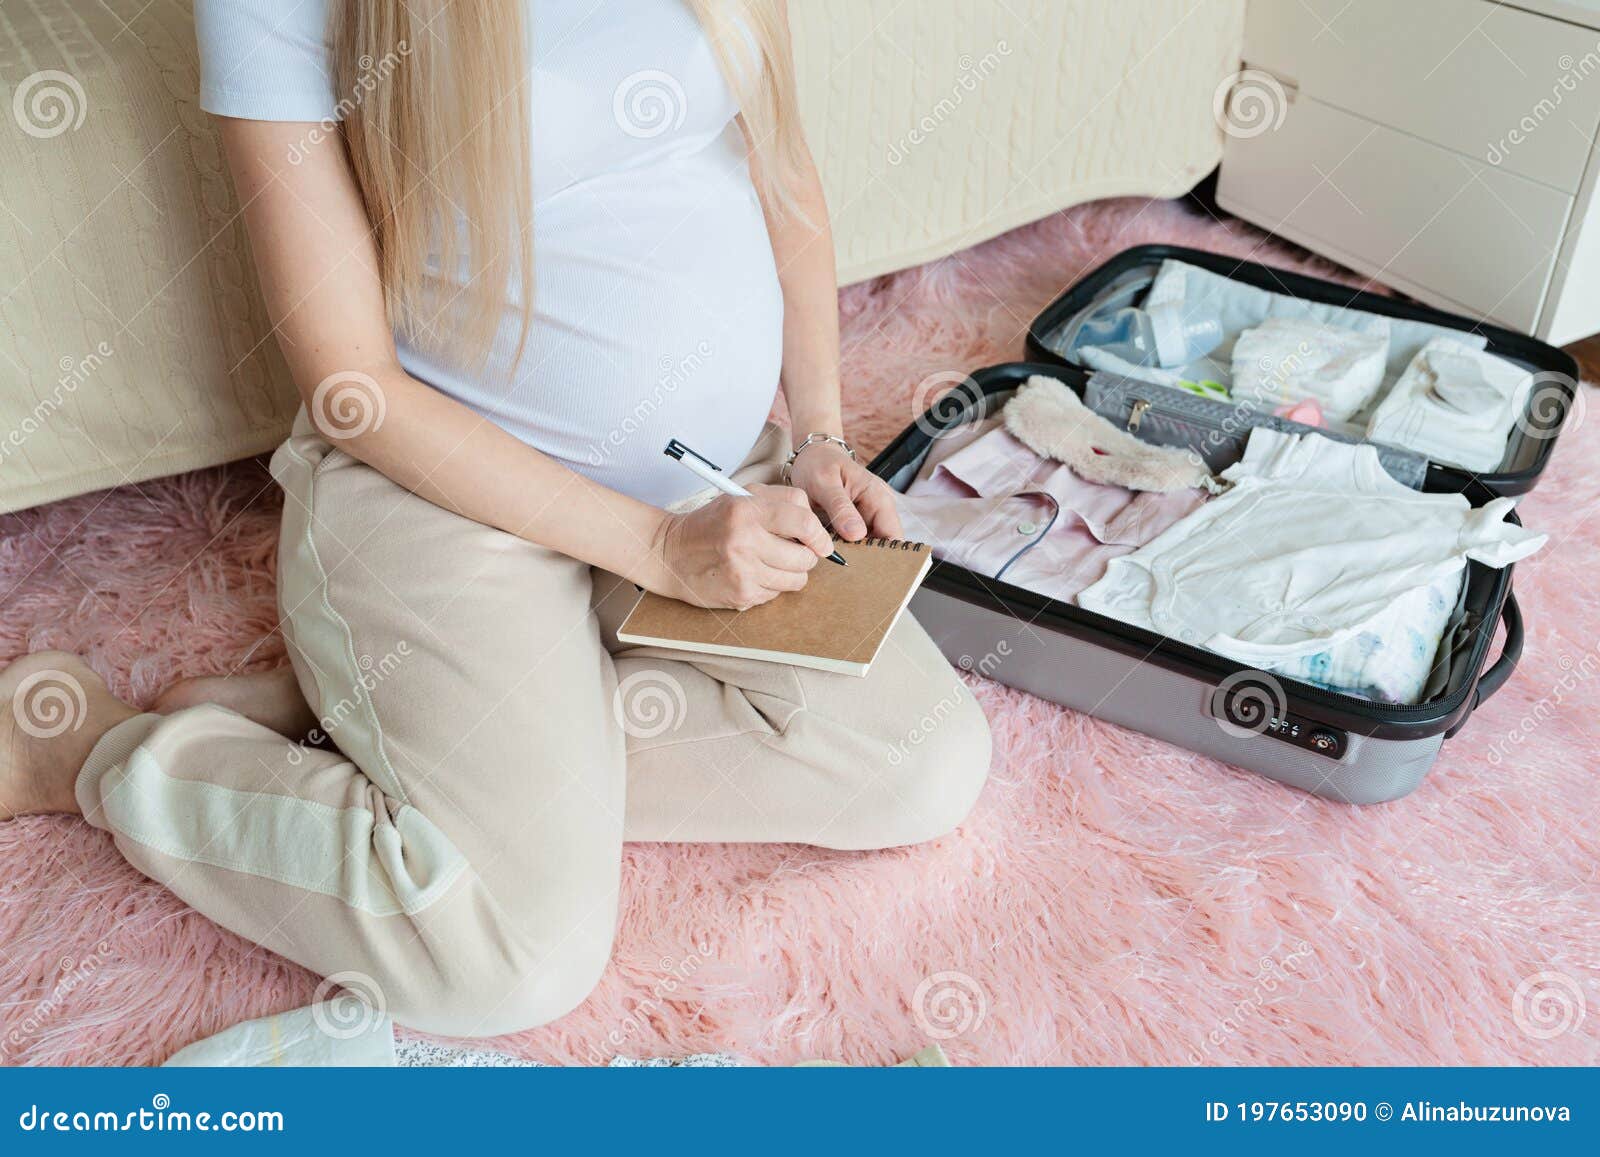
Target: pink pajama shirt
{"x": 988, "y": 503}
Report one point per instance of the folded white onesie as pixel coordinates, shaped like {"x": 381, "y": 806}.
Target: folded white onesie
{"x": 1314, "y": 547}
{"x": 1455, "y": 404}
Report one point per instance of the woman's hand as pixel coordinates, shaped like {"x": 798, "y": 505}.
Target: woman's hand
{"x": 850, "y": 496}
{"x": 739, "y": 552}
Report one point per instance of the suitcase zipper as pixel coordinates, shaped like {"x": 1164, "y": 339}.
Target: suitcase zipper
{"x": 1200, "y": 427}
{"x": 1139, "y": 408}
{"x": 1136, "y": 413}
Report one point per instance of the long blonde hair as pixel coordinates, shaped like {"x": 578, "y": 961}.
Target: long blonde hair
{"x": 436, "y": 121}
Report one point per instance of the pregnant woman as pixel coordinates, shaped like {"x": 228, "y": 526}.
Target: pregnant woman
{"x": 509, "y": 250}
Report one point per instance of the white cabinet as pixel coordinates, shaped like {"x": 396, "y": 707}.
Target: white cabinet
{"x": 1444, "y": 147}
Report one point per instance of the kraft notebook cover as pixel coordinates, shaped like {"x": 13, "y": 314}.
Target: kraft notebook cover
{"x": 837, "y": 623}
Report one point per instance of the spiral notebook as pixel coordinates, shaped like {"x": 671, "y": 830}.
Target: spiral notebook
{"x": 838, "y": 622}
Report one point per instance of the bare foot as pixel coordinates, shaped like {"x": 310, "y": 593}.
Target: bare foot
{"x": 271, "y": 699}
{"x": 53, "y": 710}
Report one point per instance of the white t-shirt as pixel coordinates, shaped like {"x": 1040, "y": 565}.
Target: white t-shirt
{"x": 658, "y": 312}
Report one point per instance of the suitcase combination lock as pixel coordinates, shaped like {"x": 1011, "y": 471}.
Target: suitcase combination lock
{"x": 1251, "y": 703}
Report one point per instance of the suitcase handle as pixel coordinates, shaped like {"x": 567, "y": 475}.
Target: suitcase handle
{"x": 1494, "y": 678}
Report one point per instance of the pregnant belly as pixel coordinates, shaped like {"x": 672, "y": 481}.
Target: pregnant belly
{"x": 653, "y": 320}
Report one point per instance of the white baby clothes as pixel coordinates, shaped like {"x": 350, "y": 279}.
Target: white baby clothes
{"x": 1455, "y": 404}
{"x": 1287, "y": 360}
{"x": 1313, "y": 546}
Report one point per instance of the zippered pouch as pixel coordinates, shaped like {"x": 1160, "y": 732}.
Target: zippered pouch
{"x": 1216, "y": 430}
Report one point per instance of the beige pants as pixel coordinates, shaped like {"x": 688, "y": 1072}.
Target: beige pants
{"x": 458, "y": 856}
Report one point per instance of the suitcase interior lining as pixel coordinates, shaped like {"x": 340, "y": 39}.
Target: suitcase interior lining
{"x": 1123, "y": 280}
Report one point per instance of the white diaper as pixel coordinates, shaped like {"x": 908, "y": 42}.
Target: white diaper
{"x": 1287, "y": 360}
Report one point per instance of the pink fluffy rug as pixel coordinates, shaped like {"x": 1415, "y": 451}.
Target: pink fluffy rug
{"x": 1111, "y": 901}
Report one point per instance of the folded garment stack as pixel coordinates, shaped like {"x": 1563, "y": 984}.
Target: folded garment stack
{"x": 1454, "y": 403}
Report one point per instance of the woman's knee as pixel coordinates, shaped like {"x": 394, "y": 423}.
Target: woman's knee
{"x": 946, "y": 775}
{"x": 473, "y": 964}
{"x": 482, "y": 990}
{"x": 935, "y": 771}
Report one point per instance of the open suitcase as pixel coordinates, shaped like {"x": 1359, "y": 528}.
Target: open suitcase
{"x": 1335, "y": 745}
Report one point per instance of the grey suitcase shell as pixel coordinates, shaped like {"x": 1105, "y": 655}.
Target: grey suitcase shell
{"x": 1338, "y": 746}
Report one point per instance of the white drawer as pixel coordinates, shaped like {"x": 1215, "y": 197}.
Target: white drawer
{"x": 1507, "y": 87}
{"x": 1411, "y": 214}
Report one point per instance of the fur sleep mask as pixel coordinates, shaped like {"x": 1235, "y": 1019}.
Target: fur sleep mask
{"x": 1049, "y": 419}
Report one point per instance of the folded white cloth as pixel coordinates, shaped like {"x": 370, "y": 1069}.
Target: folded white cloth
{"x": 1454, "y": 403}
{"x": 1287, "y": 360}
{"x": 1313, "y": 547}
